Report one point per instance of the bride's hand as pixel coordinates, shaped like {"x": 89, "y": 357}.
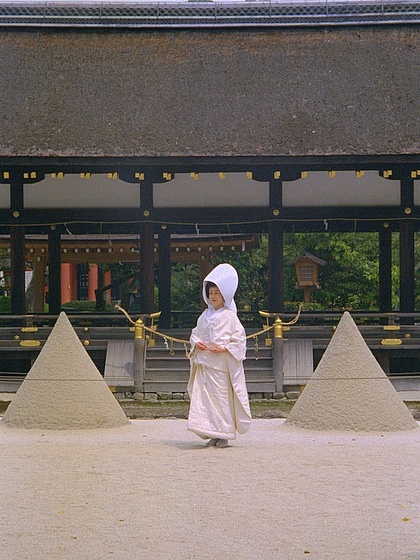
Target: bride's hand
{"x": 217, "y": 348}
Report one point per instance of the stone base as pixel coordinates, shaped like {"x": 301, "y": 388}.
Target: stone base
{"x": 168, "y": 396}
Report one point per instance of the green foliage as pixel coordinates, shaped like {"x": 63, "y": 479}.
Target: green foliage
{"x": 84, "y": 305}
{"x": 290, "y": 306}
{"x": 350, "y": 278}
{"x": 186, "y": 289}
{"x": 5, "y": 304}
{"x": 252, "y": 269}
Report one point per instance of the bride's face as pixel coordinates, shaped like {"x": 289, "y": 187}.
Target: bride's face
{"x": 216, "y": 298}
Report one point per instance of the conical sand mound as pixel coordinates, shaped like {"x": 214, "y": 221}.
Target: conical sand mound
{"x": 349, "y": 390}
{"x": 64, "y": 389}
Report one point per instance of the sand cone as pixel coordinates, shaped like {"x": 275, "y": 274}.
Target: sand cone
{"x": 64, "y": 389}
{"x": 349, "y": 390}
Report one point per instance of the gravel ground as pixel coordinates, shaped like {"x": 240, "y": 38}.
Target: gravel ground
{"x": 151, "y": 490}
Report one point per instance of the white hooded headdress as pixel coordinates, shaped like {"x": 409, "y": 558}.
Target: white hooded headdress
{"x": 226, "y": 279}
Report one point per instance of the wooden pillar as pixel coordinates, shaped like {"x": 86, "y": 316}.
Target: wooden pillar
{"x": 385, "y": 270}
{"x": 147, "y": 276}
{"x": 107, "y": 280}
{"x": 68, "y": 282}
{"x": 65, "y": 282}
{"x": 164, "y": 278}
{"x": 92, "y": 281}
{"x": 54, "y": 271}
{"x": 17, "y": 249}
{"x": 407, "y": 283}
{"x": 275, "y": 250}
{"x": 275, "y": 268}
{"x": 17, "y": 266}
{"x": 205, "y": 266}
{"x": 40, "y": 265}
{"x": 278, "y": 359}
{"x": 147, "y": 260}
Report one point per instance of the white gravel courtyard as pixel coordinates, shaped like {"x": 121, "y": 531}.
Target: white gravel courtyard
{"x": 150, "y": 490}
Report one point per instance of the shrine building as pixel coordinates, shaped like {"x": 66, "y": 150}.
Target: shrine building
{"x": 124, "y": 121}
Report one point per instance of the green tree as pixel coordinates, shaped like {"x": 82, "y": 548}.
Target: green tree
{"x": 253, "y": 276}
{"x": 350, "y": 278}
{"x": 185, "y": 287}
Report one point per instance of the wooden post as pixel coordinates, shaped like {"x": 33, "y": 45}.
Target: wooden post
{"x": 278, "y": 356}
{"x": 107, "y": 279}
{"x": 17, "y": 249}
{"x": 407, "y": 284}
{"x": 164, "y": 278}
{"x": 205, "y": 267}
{"x": 139, "y": 357}
{"x": 17, "y": 266}
{"x": 147, "y": 247}
{"x": 385, "y": 270}
{"x": 92, "y": 281}
{"x": 147, "y": 265}
{"x": 54, "y": 271}
{"x": 275, "y": 250}
{"x": 275, "y": 267}
{"x": 39, "y": 264}
{"x": 66, "y": 283}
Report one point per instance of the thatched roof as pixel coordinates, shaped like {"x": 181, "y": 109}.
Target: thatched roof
{"x": 277, "y": 92}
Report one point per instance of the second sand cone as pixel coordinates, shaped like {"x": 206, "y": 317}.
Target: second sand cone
{"x": 64, "y": 389}
{"x": 349, "y": 390}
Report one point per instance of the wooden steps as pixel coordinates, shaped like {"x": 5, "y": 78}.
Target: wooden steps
{"x": 166, "y": 372}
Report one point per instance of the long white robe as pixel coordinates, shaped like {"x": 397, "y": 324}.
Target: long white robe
{"x": 219, "y": 398}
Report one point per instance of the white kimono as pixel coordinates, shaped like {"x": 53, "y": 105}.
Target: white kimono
{"x": 219, "y": 398}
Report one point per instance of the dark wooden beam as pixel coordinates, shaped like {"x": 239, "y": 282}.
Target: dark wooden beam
{"x": 275, "y": 268}
{"x": 407, "y": 278}
{"x": 385, "y": 270}
{"x": 54, "y": 271}
{"x": 407, "y": 283}
{"x": 17, "y": 265}
{"x": 209, "y": 164}
{"x": 17, "y": 246}
{"x": 210, "y": 220}
{"x": 275, "y": 250}
{"x": 164, "y": 278}
{"x": 147, "y": 260}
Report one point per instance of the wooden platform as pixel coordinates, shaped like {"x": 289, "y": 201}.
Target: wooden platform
{"x": 111, "y": 347}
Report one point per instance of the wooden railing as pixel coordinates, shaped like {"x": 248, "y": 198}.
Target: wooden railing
{"x": 387, "y": 334}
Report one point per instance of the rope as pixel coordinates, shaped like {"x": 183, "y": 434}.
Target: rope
{"x": 166, "y": 337}
{"x": 182, "y": 341}
{"x": 257, "y": 334}
{"x": 231, "y": 222}
{"x": 173, "y": 339}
